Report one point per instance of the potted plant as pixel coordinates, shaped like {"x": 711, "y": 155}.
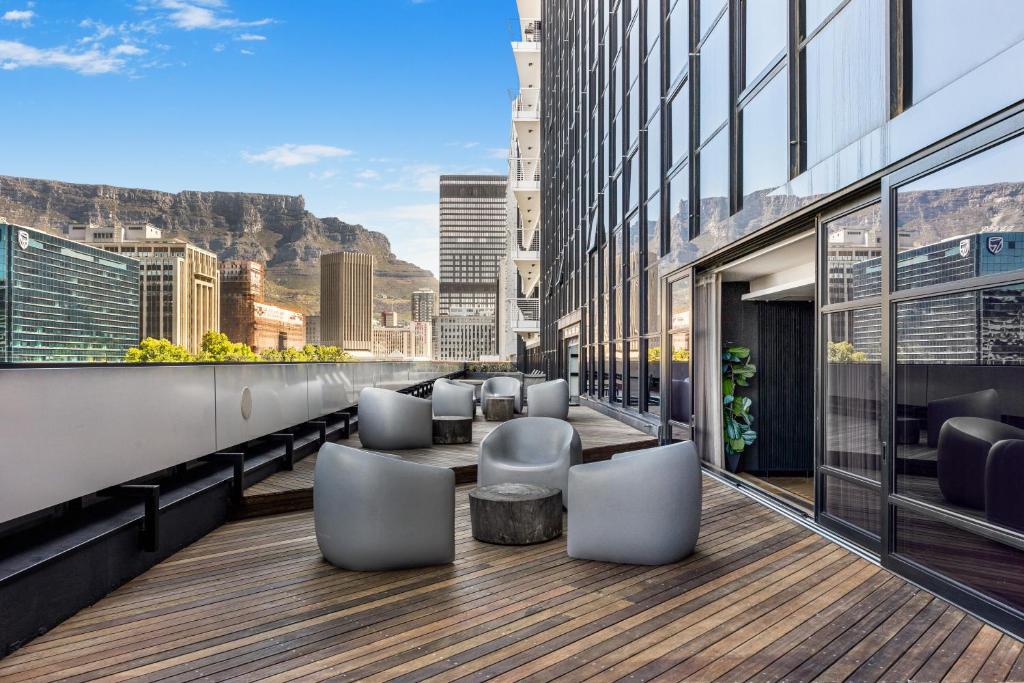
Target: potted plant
{"x": 736, "y": 418}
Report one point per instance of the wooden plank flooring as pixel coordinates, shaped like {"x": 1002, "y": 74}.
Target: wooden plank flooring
{"x": 762, "y": 599}
{"x": 601, "y": 436}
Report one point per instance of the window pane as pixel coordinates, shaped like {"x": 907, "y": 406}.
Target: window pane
{"x": 634, "y": 307}
{"x": 709, "y": 10}
{"x": 653, "y": 22}
{"x": 815, "y": 12}
{"x": 765, "y": 22}
{"x": 959, "y": 393}
{"x": 853, "y": 381}
{"x": 855, "y": 255}
{"x": 766, "y": 138}
{"x": 679, "y": 110}
{"x": 681, "y": 390}
{"x": 618, "y": 372}
{"x": 654, "y": 175}
{"x": 987, "y": 29}
{"x": 633, "y": 44}
{"x": 714, "y": 80}
{"x": 653, "y": 232}
{"x": 856, "y": 505}
{"x": 632, "y": 198}
{"x": 679, "y": 208}
{"x": 633, "y": 244}
{"x": 634, "y": 374}
{"x": 633, "y": 118}
{"x": 987, "y": 566}
{"x": 714, "y": 181}
{"x": 653, "y": 81}
{"x": 653, "y": 302}
{"x": 679, "y": 40}
{"x": 845, "y": 103}
{"x": 653, "y": 376}
{"x": 956, "y": 223}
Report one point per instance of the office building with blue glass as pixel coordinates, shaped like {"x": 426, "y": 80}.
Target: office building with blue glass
{"x": 64, "y": 302}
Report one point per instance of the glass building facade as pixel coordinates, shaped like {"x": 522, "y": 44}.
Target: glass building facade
{"x": 62, "y": 301}
{"x": 681, "y": 137}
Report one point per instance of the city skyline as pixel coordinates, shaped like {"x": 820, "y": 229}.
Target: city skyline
{"x": 375, "y": 165}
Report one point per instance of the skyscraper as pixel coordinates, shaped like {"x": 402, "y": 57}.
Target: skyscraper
{"x": 473, "y": 245}
{"x": 61, "y": 301}
{"x": 180, "y": 287}
{"x": 424, "y": 305}
{"x": 346, "y": 301}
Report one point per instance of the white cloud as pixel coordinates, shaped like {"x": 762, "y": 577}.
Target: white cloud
{"x": 289, "y": 155}
{"x": 15, "y": 55}
{"x": 368, "y": 174}
{"x": 322, "y": 175}
{"x": 19, "y": 16}
{"x": 247, "y": 52}
{"x": 128, "y": 49}
{"x": 219, "y": 47}
{"x": 251, "y": 37}
{"x": 417, "y": 177}
{"x": 204, "y": 14}
{"x": 498, "y": 153}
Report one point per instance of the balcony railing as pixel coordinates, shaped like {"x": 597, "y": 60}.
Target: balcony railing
{"x": 522, "y": 246}
{"x": 524, "y": 315}
{"x": 527, "y": 104}
{"x": 524, "y": 170}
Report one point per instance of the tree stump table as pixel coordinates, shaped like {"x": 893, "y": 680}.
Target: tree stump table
{"x": 452, "y": 430}
{"x": 515, "y": 514}
{"x": 499, "y": 408}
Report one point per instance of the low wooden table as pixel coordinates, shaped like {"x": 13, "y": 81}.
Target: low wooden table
{"x": 499, "y": 408}
{"x": 515, "y": 514}
{"x": 452, "y": 430}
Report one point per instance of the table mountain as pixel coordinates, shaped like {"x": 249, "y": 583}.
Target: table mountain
{"x": 275, "y": 229}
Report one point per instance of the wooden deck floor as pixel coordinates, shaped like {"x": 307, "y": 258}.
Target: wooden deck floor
{"x": 761, "y": 599}
{"x": 601, "y": 436}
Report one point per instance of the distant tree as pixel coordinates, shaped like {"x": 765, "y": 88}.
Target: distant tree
{"x": 844, "y": 352}
{"x": 152, "y": 350}
{"x": 284, "y": 355}
{"x": 217, "y": 348}
{"x": 327, "y": 354}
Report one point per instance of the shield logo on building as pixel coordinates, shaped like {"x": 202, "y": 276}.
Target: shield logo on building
{"x": 995, "y": 244}
{"x": 965, "y": 248}
{"x": 23, "y": 239}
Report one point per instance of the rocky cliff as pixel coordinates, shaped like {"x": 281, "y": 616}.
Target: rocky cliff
{"x": 276, "y": 229}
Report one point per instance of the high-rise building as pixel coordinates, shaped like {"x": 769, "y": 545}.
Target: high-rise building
{"x": 180, "y": 286}
{"x": 62, "y": 301}
{"x": 313, "y": 329}
{"x": 424, "y": 305}
{"x": 247, "y": 318}
{"x": 834, "y": 194}
{"x": 346, "y": 301}
{"x": 388, "y": 319}
{"x": 473, "y": 246}
{"x": 465, "y": 337}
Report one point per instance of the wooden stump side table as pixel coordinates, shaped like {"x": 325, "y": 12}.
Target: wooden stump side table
{"x": 499, "y": 408}
{"x": 515, "y": 514}
{"x": 452, "y": 430}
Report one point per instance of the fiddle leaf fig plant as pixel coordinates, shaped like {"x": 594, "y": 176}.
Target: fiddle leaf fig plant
{"x": 736, "y": 418}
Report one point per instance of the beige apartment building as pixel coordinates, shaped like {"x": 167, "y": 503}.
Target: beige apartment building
{"x": 346, "y": 301}
{"x": 179, "y": 283}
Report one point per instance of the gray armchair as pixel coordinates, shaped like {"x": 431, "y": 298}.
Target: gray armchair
{"x": 377, "y": 512}
{"x": 502, "y": 386}
{"x": 548, "y": 399}
{"x": 530, "y": 450}
{"x": 963, "y": 455}
{"x": 983, "y": 403}
{"x": 641, "y": 507}
{"x": 392, "y": 421}
{"x": 451, "y": 399}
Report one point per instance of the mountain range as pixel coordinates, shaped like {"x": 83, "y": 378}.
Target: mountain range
{"x": 274, "y": 229}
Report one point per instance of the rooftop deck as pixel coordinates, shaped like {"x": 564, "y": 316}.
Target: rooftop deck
{"x": 287, "y": 491}
{"x": 762, "y": 599}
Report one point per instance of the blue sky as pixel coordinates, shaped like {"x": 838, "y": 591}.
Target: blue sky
{"x": 358, "y": 105}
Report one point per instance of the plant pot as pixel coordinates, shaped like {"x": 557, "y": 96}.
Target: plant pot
{"x": 733, "y": 461}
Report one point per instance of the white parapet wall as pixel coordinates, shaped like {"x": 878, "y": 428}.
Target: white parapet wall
{"x": 67, "y": 432}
